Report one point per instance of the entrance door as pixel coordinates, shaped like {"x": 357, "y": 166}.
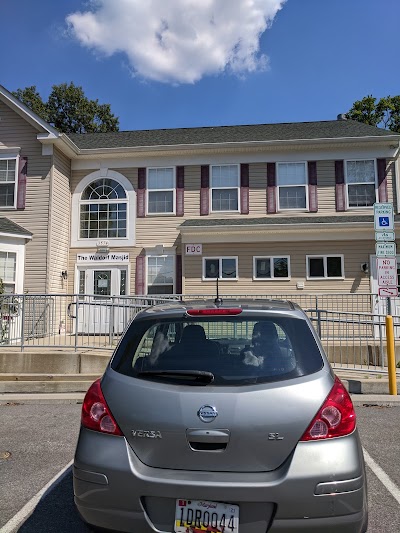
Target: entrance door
{"x": 100, "y": 310}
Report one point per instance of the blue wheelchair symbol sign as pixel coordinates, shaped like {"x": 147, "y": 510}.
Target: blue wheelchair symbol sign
{"x": 383, "y": 222}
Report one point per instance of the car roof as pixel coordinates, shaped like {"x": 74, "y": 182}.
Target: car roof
{"x": 174, "y": 307}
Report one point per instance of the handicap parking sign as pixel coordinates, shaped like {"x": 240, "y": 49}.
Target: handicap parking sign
{"x": 383, "y": 216}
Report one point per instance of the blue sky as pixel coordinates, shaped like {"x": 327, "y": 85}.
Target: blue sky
{"x": 322, "y": 56}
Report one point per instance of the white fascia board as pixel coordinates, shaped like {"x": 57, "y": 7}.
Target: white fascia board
{"x": 235, "y": 157}
{"x": 66, "y": 146}
{"x": 62, "y": 142}
{"x": 16, "y": 236}
{"x": 46, "y": 138}
{"x": 25, "y": 112}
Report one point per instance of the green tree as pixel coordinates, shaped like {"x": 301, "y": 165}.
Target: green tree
{"x": 32, "y": 99}
{"x": 69, "y": 110}
{"x": 384, "y": 113}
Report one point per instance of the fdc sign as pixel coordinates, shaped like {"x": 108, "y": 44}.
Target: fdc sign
{"x": 193, "y": 249}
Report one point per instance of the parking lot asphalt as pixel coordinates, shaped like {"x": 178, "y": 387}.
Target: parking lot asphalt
{"x": 41, "y": 440}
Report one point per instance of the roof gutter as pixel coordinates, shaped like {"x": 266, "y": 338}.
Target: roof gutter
{"x": 15, "y": 235}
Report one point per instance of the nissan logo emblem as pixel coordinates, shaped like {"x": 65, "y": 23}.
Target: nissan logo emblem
{"x": 207, "y": 413}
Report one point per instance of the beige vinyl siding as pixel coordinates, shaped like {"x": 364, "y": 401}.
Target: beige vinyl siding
{"x": 155, "y": 229}
{"x": 354, "y": 281}
{"x": 192, "y": 192}
{"x": 15, "y": 131}
{"x": 258, "y": 189}
{"x": 130, "y": 173}
{"x": 78, "y": 175}
{"x": 391, "y": 185}
{"x": 326, "y": 187}
{"x": 59, "y": 222}
{"x": 167, "y": 225}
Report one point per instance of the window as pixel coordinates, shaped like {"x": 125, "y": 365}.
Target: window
{"x": 8, "y": 182}
{"x": 122, "y": 283}
{"x": 292, "y": 189}
{"x": 102, "y": 283}
{"x": 325, "y": 266}
{"x": 160, "y": 190}
{"x": 103, "y": 210}
{"x": 82, "y": 284}
{"x": 8, "y": 261}
{"x": 220, "y": 267}
{"x": 225, "y": 188}
{"x": 253, "y": 351}
{"x": 361, "y": 183}
{"x": 271, "y": 268}
{"x": 160, "y": 274}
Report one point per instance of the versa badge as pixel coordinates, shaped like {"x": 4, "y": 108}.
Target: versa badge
{"x": 146, "y": 433}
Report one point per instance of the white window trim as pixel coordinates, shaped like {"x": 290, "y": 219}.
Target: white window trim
{"x": 220, "y": 258}
{"x": 348, "y": 207}
{"x": 129, "y": 240}
{"x": 271, "y": 262}
{"x": 148, "y": 191}
{"x": 238, "y": 210}
{"x": 167, "y": 253}
{"x": 8, "y": 157}
{"x": 279, "y": 208}
{"x": 18, "y": 248}
{"x": 324, "y": 258}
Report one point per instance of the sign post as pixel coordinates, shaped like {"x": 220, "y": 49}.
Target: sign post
{"x": 386, "y": 266}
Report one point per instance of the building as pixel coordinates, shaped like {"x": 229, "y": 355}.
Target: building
{"x": 268, "y": 209}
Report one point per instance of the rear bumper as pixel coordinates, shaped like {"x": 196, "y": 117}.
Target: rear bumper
{"x": 114, "y": 490}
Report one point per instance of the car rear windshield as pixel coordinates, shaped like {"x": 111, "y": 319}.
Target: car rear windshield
{"x": 222, "y": 352}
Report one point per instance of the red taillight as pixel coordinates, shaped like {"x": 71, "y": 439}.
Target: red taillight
{"x": 95, "y": 413}
{"x": 336, "y": 418}
{"x": 217, "y": 311}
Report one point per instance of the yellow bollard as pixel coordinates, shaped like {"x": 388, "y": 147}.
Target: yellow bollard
{"x": 391, "y": 355}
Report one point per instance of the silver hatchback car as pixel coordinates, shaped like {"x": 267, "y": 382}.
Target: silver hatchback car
{"x": 223, "y": 418}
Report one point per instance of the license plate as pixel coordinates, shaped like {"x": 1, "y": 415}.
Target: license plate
{"x": 196, "y": 516}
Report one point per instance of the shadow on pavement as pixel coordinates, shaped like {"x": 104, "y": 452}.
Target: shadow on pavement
{"x": 56, "y": 511}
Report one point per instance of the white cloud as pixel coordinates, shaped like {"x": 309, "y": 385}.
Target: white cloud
{"x": 178, "y": 41}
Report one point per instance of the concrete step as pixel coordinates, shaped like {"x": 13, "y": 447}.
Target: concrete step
{"x": 48, "y": 377}
{"x": 53, "y": 362}
{"x": 368, "y": 386}
{"x": 363, "y": 400}
{"x": 22, "y": 387}
{"x": 42, "y": 398}
{"x": 64, "y": 385}
{"x": 47, "y": 383}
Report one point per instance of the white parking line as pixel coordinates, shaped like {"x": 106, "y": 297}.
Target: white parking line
{"x": 382, "y": 476}
{"x": 18, "y": 519}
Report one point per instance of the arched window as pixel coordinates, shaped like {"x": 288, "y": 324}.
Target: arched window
{"x": 103, "y": 210}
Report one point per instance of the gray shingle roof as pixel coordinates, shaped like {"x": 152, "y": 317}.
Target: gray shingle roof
{"x": 332, "y": 129}
{"x": 272, "y": 221}
{"x": 8, "y": 226}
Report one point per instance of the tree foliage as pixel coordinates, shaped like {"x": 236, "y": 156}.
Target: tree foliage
{"x": 69, "y": 110}
{"x": 383, "y": 113}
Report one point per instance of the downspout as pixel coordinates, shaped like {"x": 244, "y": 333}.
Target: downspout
{"x": 49, "y": 233}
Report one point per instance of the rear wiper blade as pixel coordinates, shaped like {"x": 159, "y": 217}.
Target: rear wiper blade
{"x": 200, "y": 377}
